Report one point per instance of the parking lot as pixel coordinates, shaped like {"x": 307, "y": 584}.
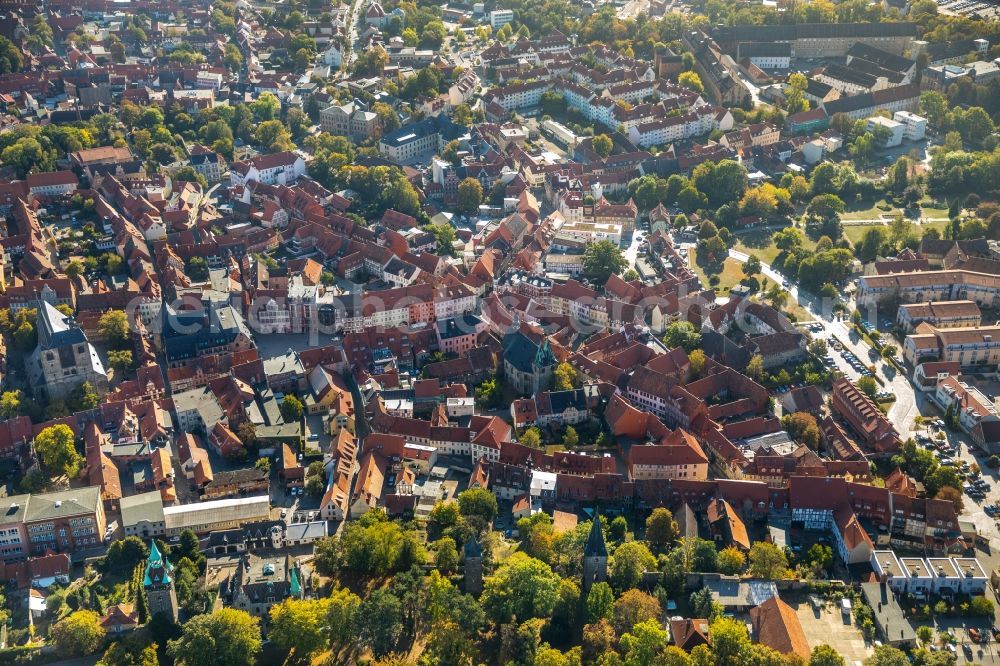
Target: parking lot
{"x": 830, "y": 626}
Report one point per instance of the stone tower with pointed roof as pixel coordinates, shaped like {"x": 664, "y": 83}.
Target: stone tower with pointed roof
{"x": 595, "y": 556}
{"x": 158, "y": 582}
{"x": 472, "y": 553}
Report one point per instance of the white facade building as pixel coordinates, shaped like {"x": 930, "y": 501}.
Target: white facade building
{"x": 915, "y": 126}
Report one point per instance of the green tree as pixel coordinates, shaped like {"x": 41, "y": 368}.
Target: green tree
{"x": 470, "y": 195}
{"x": 387, "y": 116}
{"x": 532, "y": 437}
{"x": 56, "y": 449}
{"x": 10, "y": 403}
{"x": 824, "y": 206}
{"x": 697, "y": 360}
{"x": 564, "y": 377}
{"x": 300, "y": 624}
{"x": 802, "y": 427}
{"x": 874, "y": 243}
{"x": 618, "y": 529}
{"x": 129, "y": 653}
{"x": 644, "y": 643}
{"x": 291, "y": 409}
{"x": 723, "y": 182}
{"x": 704, "y": 605}
{"x": 273, "y": 136}
{"x": 824, "y": 655}
{"x": 78, "y": 634}
{"x": 886, "y": 655}
{"x": 478, "y": 502}
{"x": 691, "y": 81}
{"x": 868, "y": 386}
{"x": 371, "y": 62}
{"x": 598, "y": 639}
{"x": 755, "y": 368}
{"x": 682, "y": 334}
{"x": 730, "y": 642}
{"x": 445, "y": 555}
{"x": 266, "y": 107}
{"x": 934, "y": 105}
{"x": 603, "y": 145}
{"x": 232, "y": 59}
{"x": 767, "y": 561}
{"x": 11, "y": 59}
{"x": 113, "y": 327}
{"x": 125, "y": 554}
{"x": 795, "y": 100}
{"x": 462, "y": 115}
{"x": 751, "y": 266}
{"x": 342, "y": 616}
{"x": 629, "y": 562}
{"x": 197, "y": 269}
{"x": 820, "y": 556}
{"x": 74, "y": 269}
{"x": 188, "y": 174}
{"x": 661, "y": 529}
{"x": 600, "y": 602}
{"x": 633, "y": 607}
{"x": 731, "y": 561}
{"x": 83, "y": 397}
{"x": 227, "y": 636}
{"x": 489, "y": 393}
{"x": 570, "y": 438}
{"x": 981, "y": 607}
{"x": 863, "y": 148}
{"x": 523, "y": 587}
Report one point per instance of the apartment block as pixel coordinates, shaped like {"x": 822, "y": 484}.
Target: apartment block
{"x": 864, "y": 417}
{"x": 939, "y": 314}
{"x": 934, "y": 575}
{"x": 974, "y": 346}
{"x": 65, "y": 521}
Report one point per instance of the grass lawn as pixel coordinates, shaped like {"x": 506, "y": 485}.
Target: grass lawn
{"x": 730, "y": 272}
{"x": 855, "y": 232}
{"x": 761, "y": 244}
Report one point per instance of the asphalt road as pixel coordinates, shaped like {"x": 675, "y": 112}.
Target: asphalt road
{"x": 906, "y": 407}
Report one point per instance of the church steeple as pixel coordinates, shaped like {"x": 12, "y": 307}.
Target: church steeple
{"x": 595, "y": 556}
{"x": 158, "y": 583}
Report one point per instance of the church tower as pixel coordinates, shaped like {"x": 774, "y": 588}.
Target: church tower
{"x": 595, "y": 556}
{"x": 473, "y": 555}
{"x": 158, "y": 583}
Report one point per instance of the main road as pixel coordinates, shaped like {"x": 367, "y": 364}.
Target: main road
{"x": 906, "y": 406}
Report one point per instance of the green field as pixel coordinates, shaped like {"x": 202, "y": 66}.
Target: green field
{"x": 761, "y": 243}
{"x": 855, "y": 232}
{"x": 730, "y": 272}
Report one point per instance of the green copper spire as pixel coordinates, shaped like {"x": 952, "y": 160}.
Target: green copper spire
{"x": 296, "y": 587}
{"x": 158, "y": 568}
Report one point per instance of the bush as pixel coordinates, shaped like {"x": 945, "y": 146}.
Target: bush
{"x": 981, "y": 607}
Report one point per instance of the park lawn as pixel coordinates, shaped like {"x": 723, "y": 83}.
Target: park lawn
{"x": 761, "y": 244}
{"x": 934, "y": 213}
{"x": 730, "y": 272}
{"x": 871, "y": 212}
{"x": 855, "y": 232}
